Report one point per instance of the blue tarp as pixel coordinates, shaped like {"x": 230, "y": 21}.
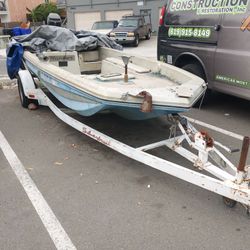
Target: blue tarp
{"x": 14, "y": 59}
{"x": 17, "y": 31}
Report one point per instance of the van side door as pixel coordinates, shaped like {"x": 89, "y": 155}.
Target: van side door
{"x": 232, "y": 59}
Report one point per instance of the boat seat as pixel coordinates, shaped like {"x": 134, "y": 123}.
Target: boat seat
{"x": 131, "y": 66}
{"x": 90, "y": 67}
{"x": 89, "y": 62}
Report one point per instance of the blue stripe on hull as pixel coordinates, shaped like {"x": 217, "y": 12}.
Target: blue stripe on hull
{"x": 88, "y": 105}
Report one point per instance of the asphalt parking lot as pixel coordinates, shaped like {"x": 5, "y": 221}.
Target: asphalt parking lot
{"x": 103, "y": 200}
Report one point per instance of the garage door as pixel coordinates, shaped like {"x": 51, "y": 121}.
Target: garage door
{"x": 117, "y": 14}
{"x": 84, "y": 21}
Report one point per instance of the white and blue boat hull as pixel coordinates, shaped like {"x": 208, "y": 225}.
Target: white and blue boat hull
{"x": 88, "y": 105}
{"x": 65, "y": 75}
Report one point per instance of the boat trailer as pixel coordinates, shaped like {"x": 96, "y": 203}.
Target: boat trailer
{"x": 229, "y": 181}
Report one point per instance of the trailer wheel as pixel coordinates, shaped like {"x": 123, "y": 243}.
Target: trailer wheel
{"x": 228, "y": 202}
{"x": 136, "y": 41}
{"x": 25, "y": 101}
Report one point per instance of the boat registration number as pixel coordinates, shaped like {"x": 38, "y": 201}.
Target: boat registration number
{"x": 62, "y": 58}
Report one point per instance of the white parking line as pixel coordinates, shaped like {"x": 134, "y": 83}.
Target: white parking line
{"x": 51, "y": 223}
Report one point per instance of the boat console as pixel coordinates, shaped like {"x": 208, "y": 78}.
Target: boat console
{"x": 90, "y": 62}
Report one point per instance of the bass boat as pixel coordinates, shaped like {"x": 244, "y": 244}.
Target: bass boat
{"x": 104, "y": 79}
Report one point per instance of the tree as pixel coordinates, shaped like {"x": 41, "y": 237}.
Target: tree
{"x": 41, "y": 12}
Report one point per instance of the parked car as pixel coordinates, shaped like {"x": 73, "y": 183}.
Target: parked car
{"x": 211, "y": 41}
{"x": 104, "y": 27}
{"x": 131, "y": 29}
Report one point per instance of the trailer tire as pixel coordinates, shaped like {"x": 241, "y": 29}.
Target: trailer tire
{"x": 25, "y": 101}
{"x": 228, "y": 202}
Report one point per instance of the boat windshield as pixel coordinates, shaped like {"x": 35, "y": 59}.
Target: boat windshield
{"x": 102, "y": 25}
{"x": 128, "y": 23}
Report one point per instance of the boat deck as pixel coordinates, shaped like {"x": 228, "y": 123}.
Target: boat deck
{"x": 100, "y": 73}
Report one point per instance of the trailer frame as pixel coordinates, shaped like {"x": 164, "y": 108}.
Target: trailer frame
{"x": 229, "y": 181}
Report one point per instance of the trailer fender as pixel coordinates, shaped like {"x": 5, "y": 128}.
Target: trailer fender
{"x": 26, "y": 81}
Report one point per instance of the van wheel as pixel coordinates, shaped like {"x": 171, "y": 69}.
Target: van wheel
{"x": 148, "y": 36}
{"x": 136, "y": 42}
{"x": 196, "y": 69}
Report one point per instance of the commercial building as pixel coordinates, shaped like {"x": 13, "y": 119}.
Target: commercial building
{"x": 82, "y": 14}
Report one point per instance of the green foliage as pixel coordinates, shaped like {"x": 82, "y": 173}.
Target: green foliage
{"x": 41, "y": 12}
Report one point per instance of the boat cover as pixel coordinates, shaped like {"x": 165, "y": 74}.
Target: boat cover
{"x": 61, "y": 39}
{"x": 54, "y": 38}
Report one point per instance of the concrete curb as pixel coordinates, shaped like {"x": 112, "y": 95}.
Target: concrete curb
{"x": 6, "y": 82}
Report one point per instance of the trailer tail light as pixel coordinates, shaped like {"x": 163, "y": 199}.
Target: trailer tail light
{"x": 163, "y": 10}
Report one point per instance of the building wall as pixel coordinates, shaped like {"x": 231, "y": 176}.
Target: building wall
{"x": 76, "y": 6}
{"x": 17, "y": 8}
